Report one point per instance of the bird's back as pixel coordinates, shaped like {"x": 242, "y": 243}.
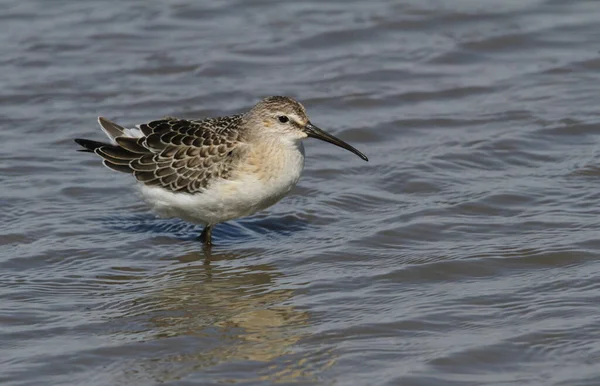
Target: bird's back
{"x": 177, "y": 155}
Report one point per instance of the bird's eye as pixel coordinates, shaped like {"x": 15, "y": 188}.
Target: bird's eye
{"x": 283, "y": 119}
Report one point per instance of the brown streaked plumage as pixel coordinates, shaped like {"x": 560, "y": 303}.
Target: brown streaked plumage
{"x": 176, "y": 154}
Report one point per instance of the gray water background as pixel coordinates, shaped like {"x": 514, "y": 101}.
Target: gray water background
{"x": 466, "y": 252}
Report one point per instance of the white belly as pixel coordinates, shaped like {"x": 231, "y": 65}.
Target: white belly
{"x": 250, "y": 190}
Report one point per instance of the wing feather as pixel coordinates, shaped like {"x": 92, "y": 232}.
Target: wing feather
{"x": 116, "y": 167}
{"x": 131, "y": 144}
{"x": 176, "y": 154}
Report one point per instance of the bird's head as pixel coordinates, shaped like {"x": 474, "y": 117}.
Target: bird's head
{"x": 284, "y": 116}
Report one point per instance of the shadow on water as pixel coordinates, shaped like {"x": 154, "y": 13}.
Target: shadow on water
{"x": 239, "y": 231}
{"x": 203, "y": 311}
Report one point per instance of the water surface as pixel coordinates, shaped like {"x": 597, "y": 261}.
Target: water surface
{"x": 466, "y": 252}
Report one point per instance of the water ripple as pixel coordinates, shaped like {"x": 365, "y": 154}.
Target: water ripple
{"x": 465, "y": 252}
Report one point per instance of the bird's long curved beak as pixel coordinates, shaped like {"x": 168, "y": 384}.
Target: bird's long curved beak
{"x": 314, "y": 132}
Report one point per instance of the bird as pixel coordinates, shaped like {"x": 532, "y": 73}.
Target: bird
{"x": 212, "y": 170}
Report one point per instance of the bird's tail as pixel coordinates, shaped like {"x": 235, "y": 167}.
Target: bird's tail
{"x": 89, "y": 145}
{"x": 111, "y": 129}
{"x": 122, "y": 149}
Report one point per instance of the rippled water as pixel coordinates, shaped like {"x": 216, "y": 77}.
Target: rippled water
{"x": 466, "y": 252}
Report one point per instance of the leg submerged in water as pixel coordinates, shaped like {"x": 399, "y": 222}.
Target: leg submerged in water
{"x": 206, "y": 235}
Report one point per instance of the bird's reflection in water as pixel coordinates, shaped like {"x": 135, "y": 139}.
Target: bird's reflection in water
{"x": 218, "y": 309}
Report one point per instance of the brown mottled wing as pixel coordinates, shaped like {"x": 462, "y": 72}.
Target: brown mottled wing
{"x": 178, "y": 155}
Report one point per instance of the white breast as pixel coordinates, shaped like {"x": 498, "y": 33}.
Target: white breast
{"x": 262, "y": 178}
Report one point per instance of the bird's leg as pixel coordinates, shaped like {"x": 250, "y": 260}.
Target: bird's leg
{"x": 206, "y": 235}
